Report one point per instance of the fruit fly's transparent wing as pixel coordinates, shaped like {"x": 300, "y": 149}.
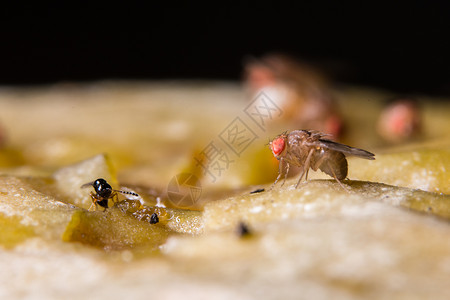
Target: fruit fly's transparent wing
{"x": 347, "y": 150}
{"x": 89, "y": 184}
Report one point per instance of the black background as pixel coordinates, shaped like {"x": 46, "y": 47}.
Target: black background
{"x": 403, "y": 47}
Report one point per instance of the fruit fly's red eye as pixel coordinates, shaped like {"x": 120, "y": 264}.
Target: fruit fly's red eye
{"x": 277, "y": 146}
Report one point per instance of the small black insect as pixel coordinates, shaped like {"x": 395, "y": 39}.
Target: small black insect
{"x": 154, "y": 218}
{"x": 104, "y": 192}
{"x": 257, "y": 191}
{"x": 243, "y": 230}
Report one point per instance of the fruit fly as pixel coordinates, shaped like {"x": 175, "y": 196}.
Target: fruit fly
{"x": 310, "y": 149}
{"x": 104, "y": 192}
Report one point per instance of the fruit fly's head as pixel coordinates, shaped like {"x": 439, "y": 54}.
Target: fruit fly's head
{"x": 277, "y": 145}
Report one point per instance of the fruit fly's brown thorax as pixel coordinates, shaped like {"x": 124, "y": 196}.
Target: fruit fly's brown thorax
{"x": 307, "y": 137}
{"x": 303, "y": 134}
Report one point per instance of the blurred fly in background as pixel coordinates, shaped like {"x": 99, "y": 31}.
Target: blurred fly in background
{"x": 299, "y": 90}
{"x": 400, "y": 120}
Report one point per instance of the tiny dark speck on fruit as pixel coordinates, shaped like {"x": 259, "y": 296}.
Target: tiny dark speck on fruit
{"x": 154, "y": 219}
{"x": 243, "y": 230}
{"x": 257, "y": 191}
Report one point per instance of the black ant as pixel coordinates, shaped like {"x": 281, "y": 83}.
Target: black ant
{"x": 104, "y": 192}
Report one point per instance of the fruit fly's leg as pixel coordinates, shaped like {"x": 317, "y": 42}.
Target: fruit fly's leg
{"x": 286, "y": 173}
{"x": 334, "y": 175}
{"x": 305, "y": 166}
{"x": 280, "y": 172}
